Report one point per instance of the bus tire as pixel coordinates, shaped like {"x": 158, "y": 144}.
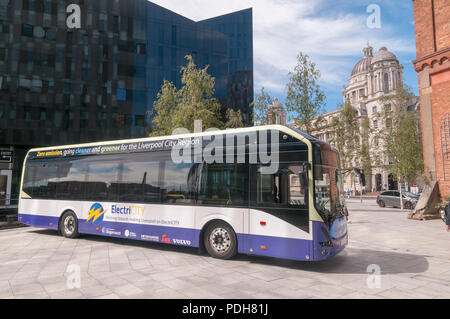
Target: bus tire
{"x": 68, "y": 225}
{"x": 220, "y": 241}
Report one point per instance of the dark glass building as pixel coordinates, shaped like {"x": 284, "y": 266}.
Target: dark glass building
{"x": 61, "y": 84}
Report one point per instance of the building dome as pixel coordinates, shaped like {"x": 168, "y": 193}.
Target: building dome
{"x": 384, "y": 55}
{"x": 364, "y": 65}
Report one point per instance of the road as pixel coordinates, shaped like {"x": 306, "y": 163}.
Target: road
{"x": 411, "y": 258}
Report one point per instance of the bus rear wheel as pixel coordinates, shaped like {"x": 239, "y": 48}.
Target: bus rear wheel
{"x": 68, "y": 226}
{"x": 220, "y": 241}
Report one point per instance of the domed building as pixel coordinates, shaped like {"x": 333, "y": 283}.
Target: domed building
{"x": 372, "y": 78}
{"x": 276, "y": 114}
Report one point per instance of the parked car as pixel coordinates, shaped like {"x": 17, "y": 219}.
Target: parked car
{"x": 392, "y": 199}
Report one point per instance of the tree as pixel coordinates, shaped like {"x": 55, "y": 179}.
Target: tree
{"x": 260, "y": 107}
{"x": 346, "y": 139}
{"x": 401, "y": 137}
{"x": 180, "y": 108}
{"x": 346, "y": 135}
{"x": 304, "y": 96}
{"x": 352, "y": 140}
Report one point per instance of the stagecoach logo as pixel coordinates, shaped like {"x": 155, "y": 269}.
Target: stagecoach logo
{"x": 96, "y": 214}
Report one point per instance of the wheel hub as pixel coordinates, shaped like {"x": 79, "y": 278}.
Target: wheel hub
{"x": 69, "y": 225}
{"x": 220, "y": 240}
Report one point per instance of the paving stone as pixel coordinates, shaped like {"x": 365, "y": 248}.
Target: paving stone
{"x": 413, "y": 256}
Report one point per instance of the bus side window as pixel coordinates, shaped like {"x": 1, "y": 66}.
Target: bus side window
{"x": 223, "y": 185}
{"x": 178, "y": 183}
{"x": 282, "y": 188}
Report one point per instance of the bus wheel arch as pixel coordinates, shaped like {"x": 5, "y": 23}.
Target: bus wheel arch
{"x": 224, "y": 228}
{"x": 68, "y": 224}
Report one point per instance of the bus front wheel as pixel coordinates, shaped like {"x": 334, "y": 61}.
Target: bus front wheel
{"x": 68, "y": 225}
{"x": 220, "y": 241}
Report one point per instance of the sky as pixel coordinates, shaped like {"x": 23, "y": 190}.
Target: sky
{"x": 332, "y": 33}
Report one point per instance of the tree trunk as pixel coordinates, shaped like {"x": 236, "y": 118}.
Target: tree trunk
{"x": 401, "y": 193}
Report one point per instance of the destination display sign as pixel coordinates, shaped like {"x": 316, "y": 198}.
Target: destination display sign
{"x": 136, "y": 147}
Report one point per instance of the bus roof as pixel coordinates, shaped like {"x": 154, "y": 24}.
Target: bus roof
{"x": 285, "y": 129}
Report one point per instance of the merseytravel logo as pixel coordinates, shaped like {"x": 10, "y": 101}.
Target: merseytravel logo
{"x": 96, "y": 214}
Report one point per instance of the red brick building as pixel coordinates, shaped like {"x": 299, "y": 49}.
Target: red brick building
{"x": 432, "y": 26}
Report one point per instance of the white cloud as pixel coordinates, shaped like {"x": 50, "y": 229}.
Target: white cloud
{"x": 282, "y": 28}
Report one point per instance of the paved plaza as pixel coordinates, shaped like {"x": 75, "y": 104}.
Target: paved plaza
{"x": 412, "y": 258}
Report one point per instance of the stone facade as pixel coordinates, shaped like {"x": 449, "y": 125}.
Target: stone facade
{"x": 372, "y": 79}
{"x": 276, "y": 114}
{"x": 432, "y": 28}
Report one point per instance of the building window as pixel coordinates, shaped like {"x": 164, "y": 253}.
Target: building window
{"x": 375, "y": 124}
{"x": 116, "y": 24}
{"x": 27, "y": 113}
{"x": 27, "y": 30}
{"x": 125, "y": 70}
{"x": 2, "y": 54}
{"x": 43, "y": 114}
{"x": 389, "y": 123}
{"x": 25, "y": 5}
{"x": 126, "y": 46}
{"x": 4, "y": 27}
{"x": 121, "y": 94}
{"x": 141, "y": 48}
{"x": 174, "y": 35}
{"x": 374, "y": 110}
{"x": 386, "y": 83}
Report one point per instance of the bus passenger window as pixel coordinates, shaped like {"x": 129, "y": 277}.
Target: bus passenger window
{"x": 224, "y": 185}
{"x": 282, "y": 188}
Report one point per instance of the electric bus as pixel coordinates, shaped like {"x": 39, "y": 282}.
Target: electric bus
{"x": 271, "y": 191}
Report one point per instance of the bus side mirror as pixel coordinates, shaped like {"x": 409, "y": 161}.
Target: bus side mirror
{"x": 303, "y": 180}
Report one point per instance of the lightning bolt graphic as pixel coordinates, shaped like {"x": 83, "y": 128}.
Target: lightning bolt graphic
{"x": 95, "y": 214}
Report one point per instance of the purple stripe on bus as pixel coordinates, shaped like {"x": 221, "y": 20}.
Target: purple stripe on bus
{"x": 277, "y": 247}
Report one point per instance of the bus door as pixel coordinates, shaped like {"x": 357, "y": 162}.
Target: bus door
{"x": 279, "y": 214}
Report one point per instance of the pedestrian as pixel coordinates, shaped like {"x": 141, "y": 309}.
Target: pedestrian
{"x": 447, "y": 217}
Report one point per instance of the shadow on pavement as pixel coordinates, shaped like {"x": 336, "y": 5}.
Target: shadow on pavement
{"x": 353, "y": 261}
{"x": 350, "y": 261}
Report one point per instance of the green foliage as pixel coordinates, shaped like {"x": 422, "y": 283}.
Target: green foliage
{"x": 193, "y": 101}
{"x": 260, "y": 107}
{"x": 234, "y": 119}
{"x": 401, "y": 136}
{"x": 346, "y": 135}
{"x": 351, "y": 139}
{"x": 304, "y": 97}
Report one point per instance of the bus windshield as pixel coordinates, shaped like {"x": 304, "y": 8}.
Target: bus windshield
{"x": 328, "y": 183}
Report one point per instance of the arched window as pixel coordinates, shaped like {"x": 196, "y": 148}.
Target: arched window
{"x": 445, "y": 146}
